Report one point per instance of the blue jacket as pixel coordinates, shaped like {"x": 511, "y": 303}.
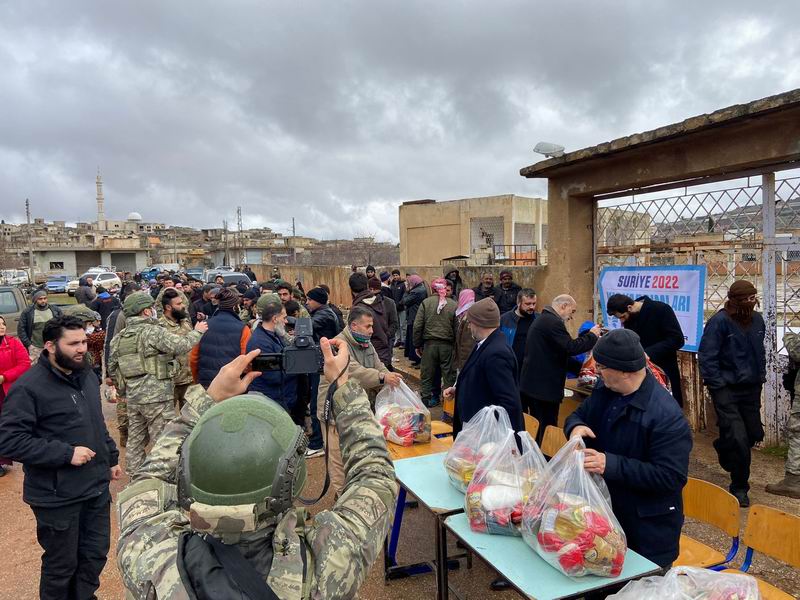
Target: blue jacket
{"x": 731, "y": 355}
{"x": 219, "y": 345}
{"x": 509, "y": 322}
{"x": 274, "y": 384}
{"x": 647, "y": 464}
{"x": 488, "y": 377}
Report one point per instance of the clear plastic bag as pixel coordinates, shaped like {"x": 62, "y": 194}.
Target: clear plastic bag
{"x": 404, "y": 418}
{"x": 691, "y": 583}
{"x": 502, "y": 482}
{"x": 568, "y": 520}
{"x": 478, "y": 438}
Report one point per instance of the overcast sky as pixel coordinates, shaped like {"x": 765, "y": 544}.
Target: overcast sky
{"x": 336, "y": 112}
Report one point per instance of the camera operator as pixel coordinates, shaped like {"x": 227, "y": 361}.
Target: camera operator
{"x": 269, "y": 338}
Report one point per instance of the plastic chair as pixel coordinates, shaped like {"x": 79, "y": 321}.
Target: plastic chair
{"x": 776, "y": 534}
{"x": 713, "y": 505}
{"x": 553, "y": 440}
{"x": 531, "y": 425}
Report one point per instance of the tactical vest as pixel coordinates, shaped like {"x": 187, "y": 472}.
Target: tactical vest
{"x": 136, "y": 359}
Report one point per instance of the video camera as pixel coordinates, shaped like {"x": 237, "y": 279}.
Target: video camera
{"x": 303, "y": 356}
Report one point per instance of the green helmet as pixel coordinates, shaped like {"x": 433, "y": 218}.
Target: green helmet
{"x": 264, "y": 299}
{"x": 242, "y": 465}
{"x": 136, "y": 303}
{"x": 83, "y": 312}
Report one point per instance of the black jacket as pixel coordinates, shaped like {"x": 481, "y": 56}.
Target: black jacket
{"x": 25, "y": 324}
{"x": 325, "y": 323}
{"x": 547, "y": 352}
{"x": 380, "y": 327}
{"x": 661, "y": 337}
{"x": 731, "y": 355}
{"x": 488, "y": 377}
{"x": 506, "y": 299}
{"x": 398, "y": 289}
{"x": 411, "y": 301}
{"x": 339, "y": 316}
{"x": 45, "y": 416}
{"x": 647, "y": 464}
{"x": 480, "y": 294}
{"x": 104, "y": 307}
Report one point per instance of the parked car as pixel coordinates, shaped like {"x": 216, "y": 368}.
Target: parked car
{"x": 15, "y": 276}
{"x": 107, "y": 280}
{"x": 12, "y": 303}
{"x": 72, "y": 285}
{"x": 196, "y": 273}
{"x": 228, "y": 276}
{"x": 57, "y": 284}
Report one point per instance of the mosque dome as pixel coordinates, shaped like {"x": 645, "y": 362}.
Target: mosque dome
{"x": 134, "y": 216}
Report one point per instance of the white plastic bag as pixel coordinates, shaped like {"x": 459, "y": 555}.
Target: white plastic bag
{"x": 402, "y": 415}
{"x": 479, "y": 437}
{"x": 502, "y": 482}
{"x": 568, "y": 520}
{"x": 691, "y": 583}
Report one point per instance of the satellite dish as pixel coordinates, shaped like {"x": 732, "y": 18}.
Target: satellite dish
{"x": 549, "y": 150}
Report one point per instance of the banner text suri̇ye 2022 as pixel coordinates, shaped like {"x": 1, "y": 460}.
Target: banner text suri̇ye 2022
{"x": 680, "y": 286}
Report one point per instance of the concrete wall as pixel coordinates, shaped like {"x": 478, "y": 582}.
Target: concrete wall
{"x": 337, "y": 277}
{"x": 432, "y": 231}
{"x": 44, "y": 258}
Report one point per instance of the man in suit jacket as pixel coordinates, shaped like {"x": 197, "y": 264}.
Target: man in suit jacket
{"x": 547, "y": 352}
{"x": 490, "y": 374}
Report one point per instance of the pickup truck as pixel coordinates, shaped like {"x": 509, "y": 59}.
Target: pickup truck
{"x": 12, "y": 303}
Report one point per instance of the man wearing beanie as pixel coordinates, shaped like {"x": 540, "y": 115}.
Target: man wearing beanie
{"x": 490, "y": 374}
{"x": 31, "y": 323}
{"x": 639, "y": 441}
{"x": 247, "y": 314}
{"x": 732, "y": 363}
{"x": 324, "y": 320}
{"x": 225, "y": 339}
{"x": 548, "y": 349}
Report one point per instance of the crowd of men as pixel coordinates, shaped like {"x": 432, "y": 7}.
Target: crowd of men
{"x": 151, "y": 340}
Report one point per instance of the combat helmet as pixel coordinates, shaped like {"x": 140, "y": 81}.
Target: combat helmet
{"x": 241, "y": 467}
{"x": 135, "y": 303}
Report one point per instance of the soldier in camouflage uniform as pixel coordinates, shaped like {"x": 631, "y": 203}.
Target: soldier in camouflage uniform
{"x": 175, "y": 319}
{"x": 190, "y": 495}
{"x": 790, "y": 485}
{"x": 142, "y": 364}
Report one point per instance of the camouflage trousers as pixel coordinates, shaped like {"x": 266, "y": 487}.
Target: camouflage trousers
{"x": 145, "y": 423}
{"x": 34, "y": 353}
{"x": 122, "y": 419}
{"x": 793, "y": 439}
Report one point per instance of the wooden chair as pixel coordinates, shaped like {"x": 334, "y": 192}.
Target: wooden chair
{"x": 713, "y": 505}
{"x": 568, "y": 406}
{"x": 776, "y": 534}
{"x": 553, "y": 440}
{"x": 441, "y": 429}
{"x": 531, "y": 425}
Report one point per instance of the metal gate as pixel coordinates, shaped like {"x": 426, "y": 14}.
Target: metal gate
{"x": 751, "y": 231}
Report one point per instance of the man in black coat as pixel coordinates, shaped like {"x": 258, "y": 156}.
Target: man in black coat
{"x": 506, "y": 294}
{"x": 490, "y": 374}
{"x": 639, "y": 441}
{"x": 658, "y": 329}
{"x": 486, "y": 288}
{"x": 548, "y": 349}
{"x": 732, "y": 362}
{"x": 323, "y": 319}
{"x": 52, "y": 422}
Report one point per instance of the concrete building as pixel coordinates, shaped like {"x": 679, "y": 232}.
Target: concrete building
{"x": 491, "y": 229}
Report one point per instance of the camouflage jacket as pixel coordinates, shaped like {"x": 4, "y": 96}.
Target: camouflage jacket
{"x": 792, "y": 343}
{"x": 184, "y": 375}
{"x": 187, "y": 304}
{"x": 148, "y": 389}
{"x": 339, "y": 544}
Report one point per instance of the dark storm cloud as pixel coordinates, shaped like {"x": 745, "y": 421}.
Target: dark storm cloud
{"x": 334, "y": 113}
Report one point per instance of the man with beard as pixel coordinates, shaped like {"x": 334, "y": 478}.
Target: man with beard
{"x": 141, "y": 365}
{"x": 506, "y": 294}
{"x": 486, "y": 288}
{"x": 733, "y": 365}
{"x": 32, "y": 321}
{"x": 269, "y": 338}
{"x": 52, "y": 422}
{"x": 658, "y": 329}
{"x": 175, "y": 319}
{"x": 515, "y": 323}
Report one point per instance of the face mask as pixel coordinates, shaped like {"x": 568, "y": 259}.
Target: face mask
{"x": 360, "y": 338}
{"x": 90, "y": 329}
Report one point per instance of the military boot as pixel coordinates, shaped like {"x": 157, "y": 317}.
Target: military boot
{"x": 789, "y": 486}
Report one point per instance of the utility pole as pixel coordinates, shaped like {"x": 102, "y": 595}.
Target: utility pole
{"x": 294, "y": 244}
{"x": 30, "y": 240}
{"x": 175, "y": 245}
{"x": 240, "y": 251}
{"x": 225, "y": 260}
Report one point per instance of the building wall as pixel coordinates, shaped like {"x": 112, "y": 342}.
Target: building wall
{"x": 432, "y": 231}
{"x": 43, "y": 260}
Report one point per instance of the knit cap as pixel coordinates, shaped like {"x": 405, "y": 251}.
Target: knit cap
{"x": 318, "y": 295}
{"x": 484, "y": 314}
{"x": 620, "y": 349}
{"x": 227, "y": 298}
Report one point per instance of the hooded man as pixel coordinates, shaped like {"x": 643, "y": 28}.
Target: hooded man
{"x": 85, "y": 292}
{"x": 451, "y": 274}
{"x": 732, "y": 363}
{"x": 31, "y": 323}
{"x": 104, "y": 304}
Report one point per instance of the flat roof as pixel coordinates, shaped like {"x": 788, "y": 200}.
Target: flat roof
{"x": 723, "y": 116}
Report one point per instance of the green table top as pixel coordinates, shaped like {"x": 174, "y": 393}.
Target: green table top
{"x": 532, "y": 575}
{"x": 425, "y": 478}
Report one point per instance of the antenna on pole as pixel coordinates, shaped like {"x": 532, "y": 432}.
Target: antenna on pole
{"x": 225, "y": 259}
{"x": 294, "y": 244}
{"x": 30, "y": 239}
{"x": 240, "y": 253}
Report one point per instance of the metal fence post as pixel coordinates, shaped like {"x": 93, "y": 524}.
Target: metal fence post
{"x": 770, "y": 307}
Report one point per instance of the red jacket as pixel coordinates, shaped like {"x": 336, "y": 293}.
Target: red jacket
{"x": 14, "y": 360}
